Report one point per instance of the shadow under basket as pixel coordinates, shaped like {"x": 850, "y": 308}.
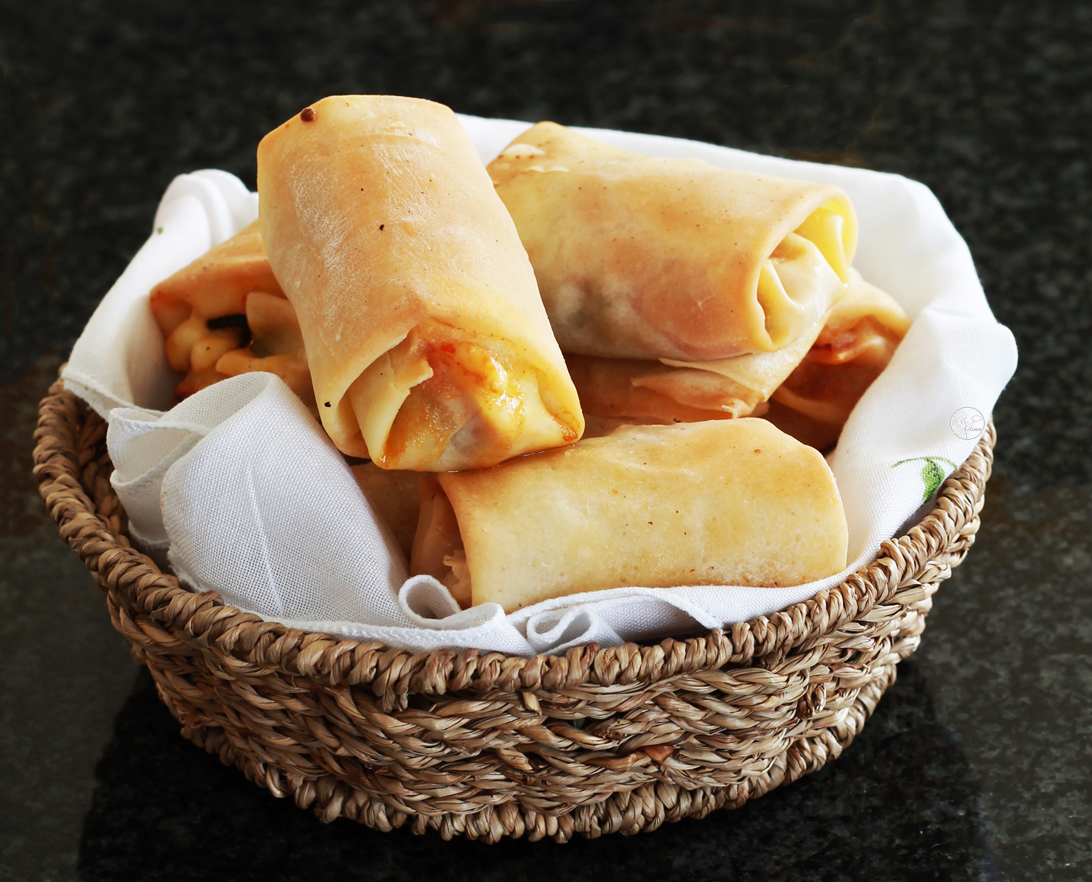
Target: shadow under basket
{"x": 488, "y": 745}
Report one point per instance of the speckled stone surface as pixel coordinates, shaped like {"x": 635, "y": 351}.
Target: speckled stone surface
{"x": 976, "y": 765}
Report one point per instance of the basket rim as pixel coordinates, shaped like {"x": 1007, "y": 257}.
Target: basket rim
{"x": 68, "y": 430}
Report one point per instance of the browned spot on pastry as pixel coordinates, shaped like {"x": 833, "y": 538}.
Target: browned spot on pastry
{"x": 307, "y": 114}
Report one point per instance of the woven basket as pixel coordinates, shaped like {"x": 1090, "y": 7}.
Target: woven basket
{"x": 489, "y": 745}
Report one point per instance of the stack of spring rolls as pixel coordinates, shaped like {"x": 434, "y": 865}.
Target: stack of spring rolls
{"x": 548, "y": 373}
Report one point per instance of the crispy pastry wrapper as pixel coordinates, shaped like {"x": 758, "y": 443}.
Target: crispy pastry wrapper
{"x": 642, "y": 257}
{"x": 855, "y": 345}
{"x": 393, "y": 494}
{"x": 427, "y": 340}
{"x": 225, "y": 314}
{"x": 670, "y": 391}
{"x": 733, "y": 502}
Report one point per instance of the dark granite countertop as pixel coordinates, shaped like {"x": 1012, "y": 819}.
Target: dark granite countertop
{"x": 976, "y": 765}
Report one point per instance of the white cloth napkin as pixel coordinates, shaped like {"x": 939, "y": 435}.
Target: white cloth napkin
{"x": 241, "y": 491}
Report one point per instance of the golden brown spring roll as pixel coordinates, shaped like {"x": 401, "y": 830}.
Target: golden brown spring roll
{"x": 667, "y": 391}
{"x": 426, "y": 336}
{"x": 730, "y": 502}
{"x": 641, "y": 257}
{"x": 855, "y": 345}
{"x": 394, "y": 496}
{"x": 225, "y": 314}
{"x": 625, "y": 389}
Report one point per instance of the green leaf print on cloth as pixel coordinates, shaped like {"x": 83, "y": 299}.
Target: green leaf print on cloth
{"x": 932, "y": 475}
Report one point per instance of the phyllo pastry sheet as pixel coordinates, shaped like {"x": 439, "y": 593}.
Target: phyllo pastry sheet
{"x": 427, "y": 340}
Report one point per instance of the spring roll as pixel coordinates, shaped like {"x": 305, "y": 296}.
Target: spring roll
{"x": 428, "y": 343}
{"x": 730, "y": 502}
{"x": 625, "y": 389}
{"x": 648, "y": 258}
{"x": 855, "y": 345}
{"x": 667, "y": 391}
{"x": 394, "y": 496}
{"x": 225, "y": 314}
